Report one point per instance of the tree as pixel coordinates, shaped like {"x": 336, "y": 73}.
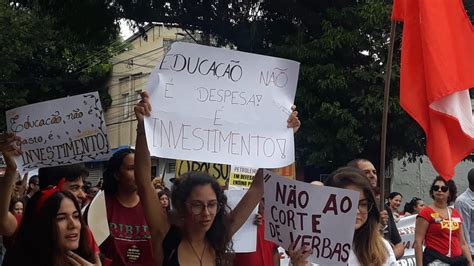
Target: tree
{"x": 48, "y": 50}
{"x": 342, "y": 47}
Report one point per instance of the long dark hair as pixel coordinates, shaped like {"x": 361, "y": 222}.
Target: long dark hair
{"x": 15, "y": 201}
{"x": 110, "y": 185}
{"x": 218, "y": 235}
{"x": 410, "y": 206}
{"x": 167, "y": 194}
{"x": 37, "y": 239}
{"x": 367, "y": 244}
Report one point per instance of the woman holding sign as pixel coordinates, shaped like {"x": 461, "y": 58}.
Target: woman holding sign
{"x": 202, "y": 232}
{"x": 439, "y": 227}
{"x": 368, "y": 246}
{"x": 52, "y": 231}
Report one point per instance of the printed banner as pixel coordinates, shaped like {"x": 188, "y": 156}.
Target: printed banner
{"x": 60, "y": 132}
{"x": 222, "y": 106}
{"x": 406, "y": 229}
{"x": 322, "y": 218}
{"x": 241, "y": 177}
{"x": 220, "y": 172}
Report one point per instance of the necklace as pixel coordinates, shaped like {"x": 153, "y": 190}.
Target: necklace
{"x": 196, "y": 254}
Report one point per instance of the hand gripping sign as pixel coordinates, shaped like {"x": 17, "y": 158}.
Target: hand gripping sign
{"x": 60, "y": 132}
{"x": 321, "y": 218}
{"x": 222, "y": 106}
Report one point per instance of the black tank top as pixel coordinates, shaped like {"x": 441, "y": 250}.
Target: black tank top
{"x": 170, "y": 246}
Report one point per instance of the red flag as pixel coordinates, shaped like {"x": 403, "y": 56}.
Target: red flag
{"x": 437, "y": 71}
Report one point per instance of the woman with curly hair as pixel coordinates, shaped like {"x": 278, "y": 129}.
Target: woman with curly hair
{"x": 200, "y": 229}
{"x": 439, "y": 228}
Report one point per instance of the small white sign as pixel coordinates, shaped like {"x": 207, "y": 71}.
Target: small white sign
{"x": 222, "y": 106}
{"x": 245, "y": 239}
{"x": 60, "y": 132}
{"x": 321, "y": 218}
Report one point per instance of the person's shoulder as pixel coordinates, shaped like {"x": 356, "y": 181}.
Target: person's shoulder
{"x": 426, "y": 212}
{"x": 463, "y": 197}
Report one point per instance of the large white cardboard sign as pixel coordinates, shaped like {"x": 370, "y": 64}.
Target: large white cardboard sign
{"x": 60, "y": 132}
{"x": 222, "y": 106}
{"x": 322, "y": 218}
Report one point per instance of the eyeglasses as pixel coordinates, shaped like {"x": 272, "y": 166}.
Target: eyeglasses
{"x": 437, "y": 188}
{"x": 365, "y": 206}
{"x": 198, "y": 207}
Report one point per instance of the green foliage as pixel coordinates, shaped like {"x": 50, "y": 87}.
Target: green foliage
{"x": 49, "y": 50}
{"x": 341, "y": 85}
{"x": 342, "y": 46}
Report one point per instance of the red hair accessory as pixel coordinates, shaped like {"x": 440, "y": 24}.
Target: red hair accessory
{"x": 48, "y": 192}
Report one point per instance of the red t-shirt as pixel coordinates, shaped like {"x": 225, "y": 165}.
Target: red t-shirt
{"x": 129, "y": 242}
{"x": 264, "y": 254}
{"x": 437, "y": 235}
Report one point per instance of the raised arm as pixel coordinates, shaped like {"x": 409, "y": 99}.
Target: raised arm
{"x": 8, "y": 223}
{"x": 156, "y": 218}
{"x": 244, "y": 208}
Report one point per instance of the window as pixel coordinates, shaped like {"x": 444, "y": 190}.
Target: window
{"x": 126, "y": 105}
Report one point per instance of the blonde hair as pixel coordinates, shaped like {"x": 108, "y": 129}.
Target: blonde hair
{"x": 368, "y": 244}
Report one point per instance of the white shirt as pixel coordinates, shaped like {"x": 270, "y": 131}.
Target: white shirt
{"x": 465, "y": 205}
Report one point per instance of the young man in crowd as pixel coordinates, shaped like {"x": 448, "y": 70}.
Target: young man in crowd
{"x": 33, "y": 187}
{"x": 391, "y": 231}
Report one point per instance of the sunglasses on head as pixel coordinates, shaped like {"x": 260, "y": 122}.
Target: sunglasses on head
{"x": 442, "y": 188}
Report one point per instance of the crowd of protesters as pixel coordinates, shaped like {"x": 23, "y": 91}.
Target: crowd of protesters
{"x": 190, "y": 223}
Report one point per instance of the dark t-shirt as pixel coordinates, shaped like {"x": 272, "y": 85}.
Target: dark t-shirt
{"x": 391, "y": 232}
{"x": 129, "y": 242}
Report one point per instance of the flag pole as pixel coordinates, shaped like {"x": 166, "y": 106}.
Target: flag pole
{"x": 383, "y": 142}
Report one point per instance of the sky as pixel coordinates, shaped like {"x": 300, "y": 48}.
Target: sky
{"x": 125, "y": 31}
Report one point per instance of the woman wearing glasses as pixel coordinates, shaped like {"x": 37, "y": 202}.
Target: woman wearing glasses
{"x": 368, "y": 245}
{"x": 201, "y": 232}
{"x": 439, "y": 227}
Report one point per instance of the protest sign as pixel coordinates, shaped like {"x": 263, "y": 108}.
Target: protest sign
{"x": 220, "y": 172}
{"x": 95, "y": 218}
{"x": 60, "y": 132}
{"x": 222, "y": 106}
{"x": 322, "y": 218}
{"x": 406, "y": 229}
{"x": 245, "y": 239}
{"x": 241, "y": 177}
